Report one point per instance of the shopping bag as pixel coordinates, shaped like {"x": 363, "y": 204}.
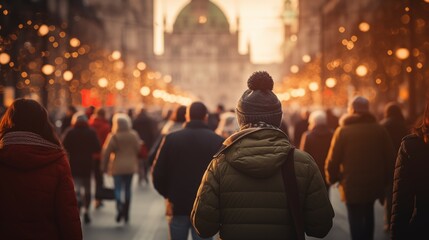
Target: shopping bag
{"x": 143, "y": 151}
{"x": 107, "y": 191}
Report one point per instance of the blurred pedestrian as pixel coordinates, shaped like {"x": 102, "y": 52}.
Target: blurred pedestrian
{"x": 120, "y": 160}
{"x": 147, "y": 128}
{"x": 99, "y": 123}
{"x": 175, "y": 123}
{"x": 89, "y": 111}
{"x": 81, "y": 143}
{"x": 181, "y": 161}
{"x": 242, "y": 194}
{"x": 360, "y": 158}
{"x": 317, "y": 140}
{"x": 227, "y": 125}
{"x": 411, "y": 192}
{"x": 300, "y": 127}
{"x": 66, "y": 120}
{"x": 394, "y": 123}
{"x": 332, "y": 119}
{"x": 214, "y": 118}
{"x": 38, "y": 199}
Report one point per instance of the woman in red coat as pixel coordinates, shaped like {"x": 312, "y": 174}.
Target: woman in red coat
{"x": 37, "y": 194}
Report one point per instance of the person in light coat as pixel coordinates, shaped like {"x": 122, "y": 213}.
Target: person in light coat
{"x": 120, "y": 158}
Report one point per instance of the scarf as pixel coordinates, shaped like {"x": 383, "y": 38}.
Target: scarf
{"x": 258, "y": 125}
{"x": 26, "y": 138}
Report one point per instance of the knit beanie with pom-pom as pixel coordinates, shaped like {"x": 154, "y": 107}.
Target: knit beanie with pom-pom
{"x": 259, "y": 103}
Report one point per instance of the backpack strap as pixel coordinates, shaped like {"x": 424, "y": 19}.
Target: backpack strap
{"x": 292, "y": 193}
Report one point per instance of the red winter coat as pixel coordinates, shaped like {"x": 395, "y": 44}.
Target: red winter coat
{"x": 37, "y": 194}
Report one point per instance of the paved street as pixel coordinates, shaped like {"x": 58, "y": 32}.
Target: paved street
{"x": 147, "y": 220}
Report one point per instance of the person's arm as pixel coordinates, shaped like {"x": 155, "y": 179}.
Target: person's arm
{"x": 159, "y": 169}
{"x": 403, "y": 196}
{"x": 205, "y": 215}
{"x": 66, "y": 209}
{"x": 303, "y": 145}
{"x": 318, "y": 211}
{"x": 334, "y": 158}
{"x": 106, "y": 151}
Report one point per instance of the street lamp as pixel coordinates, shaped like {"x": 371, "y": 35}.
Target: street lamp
{"x": 48, "y": 69}
{"x": 4, "y": 58}
{"x": 331, "y": 82}
{"x": 120, "y": 85}
{"x": 103, "y": 82}
{"x": 402, "y": 53}
{"x": 68, "y": 75}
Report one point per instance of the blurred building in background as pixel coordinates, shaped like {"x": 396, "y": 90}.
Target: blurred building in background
{"x": 201, "y": 55}
{"x": 341, "y": 48}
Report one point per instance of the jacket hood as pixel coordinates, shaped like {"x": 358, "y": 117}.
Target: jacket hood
{"x": 356, "y": 118}
{"x": 321, "y": 130}
{"x": 257, "y": 152}
{"x": 28, "y": 157}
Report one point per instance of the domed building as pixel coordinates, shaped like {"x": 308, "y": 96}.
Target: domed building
{"x": 201, "y": 54}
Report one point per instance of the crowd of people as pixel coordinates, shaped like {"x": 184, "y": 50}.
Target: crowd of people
{"x": 226, "y": 173}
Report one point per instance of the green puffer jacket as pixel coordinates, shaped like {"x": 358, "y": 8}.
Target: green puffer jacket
{"x": 242, "y": 193}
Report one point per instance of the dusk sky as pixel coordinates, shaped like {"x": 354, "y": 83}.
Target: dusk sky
{"x": 259, "y": 24}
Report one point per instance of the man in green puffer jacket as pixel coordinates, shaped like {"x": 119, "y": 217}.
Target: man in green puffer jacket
{"x": 242, "y": 194}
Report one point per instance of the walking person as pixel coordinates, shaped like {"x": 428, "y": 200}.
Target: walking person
{"x": 99, "y": 123}
{"x": 147, "y": 128}
{"x": 411, "y": 192}
{"x": 242, "y": 194}
{"x": 81, "y": 143}
{"x": 360, "y": 159}
{"x": 181, "y": 161}
{"x": 317, "y": 140}
{"x": 38, "y": 199}
{"x": 120, "y": 160}
{"x": 175, "y": 123}
{"x": 394, "y": 123}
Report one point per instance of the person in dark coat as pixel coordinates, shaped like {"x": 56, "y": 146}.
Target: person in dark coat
{"x": 66, "y": 120}
{"x": 360, "y": 159}
{"x": 147, "y": 128}
{"x": 410, "y": 208}
{"x": 99, "y": 123}
{"x": 175, "y": 123}
{"x": 37, "y": 194}
{"x": 394, "y": 123}
{"x": 317, "y": 140}
{"x": 81, "y": 143}
{"x": 179, "y": 166}
{"x": 300, "y": 127}
{"x": 242, "y": 194}
{"x": 332, "y": 119}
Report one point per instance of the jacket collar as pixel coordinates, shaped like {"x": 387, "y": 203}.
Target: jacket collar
{"x": 196, "y": 124}
{"x": 355, "y": 118}
{"x": 245, "y": 131}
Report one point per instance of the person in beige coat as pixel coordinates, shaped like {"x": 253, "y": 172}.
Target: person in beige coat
{"x": 120, "y": 158}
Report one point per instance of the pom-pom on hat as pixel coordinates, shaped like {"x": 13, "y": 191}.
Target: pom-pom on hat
{"x": 259, "y": 103}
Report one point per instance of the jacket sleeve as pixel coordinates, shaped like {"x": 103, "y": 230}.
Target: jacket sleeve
{"x": 96, "y": 147}
{"x": 107, "y": 149}
{"x": 403, "y": 197}
{"x": 205, "y": 215}
{"x": 160, "y": 168}
{"x": 318, "y": 211}
{"x": 334, "y": 158}
{"x": 66, "y": 210}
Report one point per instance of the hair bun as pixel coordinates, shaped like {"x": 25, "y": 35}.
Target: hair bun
{"x": 260, "y": 80}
